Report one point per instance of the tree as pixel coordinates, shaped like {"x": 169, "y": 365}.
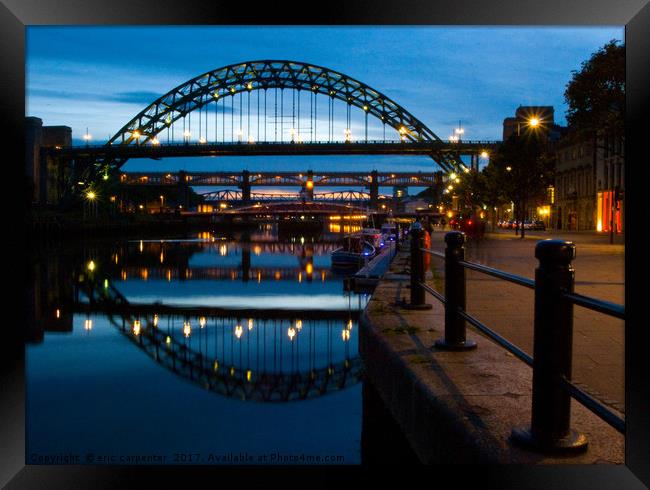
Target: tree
{"x": 471, "y": 189}
{"x": 493, "y": 195}
{"x": 596, "y": 99}
{"x": 522, "y": 168}
{"x": 436, "y": 194}
{"x": 596, "y": 94}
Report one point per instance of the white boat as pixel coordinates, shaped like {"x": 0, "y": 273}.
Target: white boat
{"x": 373, "y": 236}
{"x": 389, "y": 232}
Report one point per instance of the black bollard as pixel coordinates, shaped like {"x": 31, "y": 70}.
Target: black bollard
{"x": 550, "y": 428}
{"x": 418, "y": 302}
{"x": 455, "y": 329}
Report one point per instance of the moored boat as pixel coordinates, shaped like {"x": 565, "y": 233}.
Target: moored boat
{"x": 353, "y": 253}
{"x": 389, "y": 232}
{"x": 372, "y": 236}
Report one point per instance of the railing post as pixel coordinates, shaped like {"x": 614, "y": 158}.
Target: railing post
{"x": 550, "y": 428}
{"x": 417, "y": 269}
{"x": 455, "y": 329}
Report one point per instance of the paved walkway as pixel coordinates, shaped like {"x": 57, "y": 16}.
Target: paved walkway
{"x": 598, "y": 343}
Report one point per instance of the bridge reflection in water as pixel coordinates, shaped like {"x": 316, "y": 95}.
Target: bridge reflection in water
{"x": 260, "y": 354}
{"x": 269, "y": 360}
{"x": 213, "y": 364}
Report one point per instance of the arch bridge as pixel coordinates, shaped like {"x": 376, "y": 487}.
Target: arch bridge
{"x": 270, "y": 107}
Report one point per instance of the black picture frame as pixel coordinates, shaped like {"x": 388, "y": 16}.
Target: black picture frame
{"x": 634, "y": 14}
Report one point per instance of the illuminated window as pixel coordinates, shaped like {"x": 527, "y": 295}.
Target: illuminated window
{"x": 550, "y": 192}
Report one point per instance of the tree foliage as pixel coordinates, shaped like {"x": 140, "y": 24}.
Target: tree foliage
{"x": 596, "y": 93}
{"x": 523, "y": 167}
{"x": 472, "y": 189}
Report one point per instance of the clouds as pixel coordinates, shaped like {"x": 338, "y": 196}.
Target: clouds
{"x": 101, "y": 77}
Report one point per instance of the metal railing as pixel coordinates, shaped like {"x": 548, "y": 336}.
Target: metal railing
{"x": 550, "y": 429}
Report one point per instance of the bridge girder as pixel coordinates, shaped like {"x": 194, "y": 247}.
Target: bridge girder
{"x": 271, "y": 179}
{"x": 230, "y": 80}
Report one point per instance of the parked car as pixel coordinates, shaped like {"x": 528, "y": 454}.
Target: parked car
{"x": 539, "y": 225}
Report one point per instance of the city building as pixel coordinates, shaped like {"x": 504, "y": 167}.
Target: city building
{"x": 44, "y": 179}
{"x": 541, "y": 118}
{"x": 589, "y": 183}
{"x": 413, "y": 205}
{"x": 544, "y": 115}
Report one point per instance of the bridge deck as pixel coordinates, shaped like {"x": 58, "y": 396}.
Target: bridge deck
{"x": 274, "y": 148}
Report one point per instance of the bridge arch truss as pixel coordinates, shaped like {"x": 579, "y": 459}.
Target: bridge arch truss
{"x": 244, "y": 78}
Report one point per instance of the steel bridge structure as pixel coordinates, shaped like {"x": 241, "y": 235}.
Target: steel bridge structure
{"x": 307, "y": 182}
{"x": 348, "y": 196}
{"x": 267, "y": 107}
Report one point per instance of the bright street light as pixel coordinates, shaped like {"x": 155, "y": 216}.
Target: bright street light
{"x": 532, "y": 122}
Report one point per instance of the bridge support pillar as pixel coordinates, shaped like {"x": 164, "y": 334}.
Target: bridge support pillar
{"x": 475, "y": 162}
{"x": 309, "y": 185}
{"x": 183, "y": 190}
{"x": 374, "y": 190}
{"x": 245, "y": 187}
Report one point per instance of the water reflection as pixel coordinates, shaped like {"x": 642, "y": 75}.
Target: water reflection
{"x": 252, "y": 328}
{"x": 270, "y": 361}
{"x": 301, "y": 341}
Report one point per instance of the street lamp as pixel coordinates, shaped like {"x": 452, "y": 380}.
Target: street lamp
{"x": 533, "y": 122}
{"x": 90, "y": 202}
{"x": 162, "y": 202}
{"x": 87, "y": 137}
{"x": 459, "y": 131}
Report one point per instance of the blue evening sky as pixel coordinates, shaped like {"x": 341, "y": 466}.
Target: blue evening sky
{"x": 100, "y": 77}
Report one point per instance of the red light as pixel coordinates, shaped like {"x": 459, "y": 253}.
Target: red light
{"x": 469, "y": 222}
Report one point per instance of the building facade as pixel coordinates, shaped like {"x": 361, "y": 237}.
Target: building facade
{"x": 539, "y": 207}
{"x": 589, "y": 183}
{"x": 44, "y": 178}
{"x": 545, "y": 115}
